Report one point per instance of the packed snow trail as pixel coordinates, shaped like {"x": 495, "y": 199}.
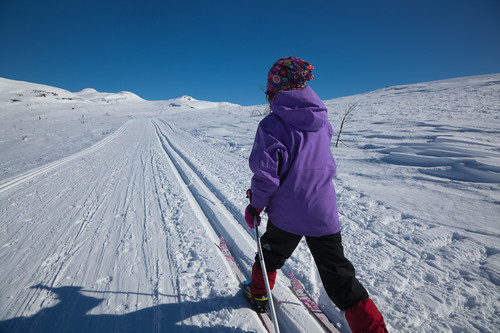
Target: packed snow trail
{"x": 213, "y": 213}
{"x": 114, "y": 226}
{"x": 5, "y": 186}
{"x": 123, "y": 237}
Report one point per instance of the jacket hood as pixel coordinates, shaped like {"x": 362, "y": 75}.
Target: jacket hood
{"x": 301, "y": 108}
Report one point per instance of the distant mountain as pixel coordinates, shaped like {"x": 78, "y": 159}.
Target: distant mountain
{"x": 12, "y": 91}
{"x": 95, "y": 96}
{"x": 190, "y": 102}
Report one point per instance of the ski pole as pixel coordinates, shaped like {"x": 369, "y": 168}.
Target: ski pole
{"x": 263, "y": 267}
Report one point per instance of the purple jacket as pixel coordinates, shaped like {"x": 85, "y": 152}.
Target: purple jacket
{"x": 293, "y": 165}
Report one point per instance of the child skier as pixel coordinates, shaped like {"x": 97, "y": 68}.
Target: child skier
{"x": 293, "y": 169}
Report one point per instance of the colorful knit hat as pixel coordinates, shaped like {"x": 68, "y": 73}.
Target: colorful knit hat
{"x": 288, "y": 73}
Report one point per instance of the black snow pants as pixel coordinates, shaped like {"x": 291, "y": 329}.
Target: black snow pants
{"x": 336, "y": 272}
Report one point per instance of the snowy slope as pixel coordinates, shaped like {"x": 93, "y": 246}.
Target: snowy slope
{"x": 111, "y": 211}
{"x": 95, "y": 96}
{"x": 190, "y": 102}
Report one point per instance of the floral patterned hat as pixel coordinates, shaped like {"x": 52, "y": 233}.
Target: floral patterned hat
{"x": 288, "y": 73}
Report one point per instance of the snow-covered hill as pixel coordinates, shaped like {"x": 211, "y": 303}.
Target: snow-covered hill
{"x": 110, "y": 211}
{"x": 32, "y": 93}
{"x": 95, "y": 96}
{"x": 190, "y": 102}
{"x": 12, "y": 91}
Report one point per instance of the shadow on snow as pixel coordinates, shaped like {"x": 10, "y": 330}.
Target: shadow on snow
{"x": 70, "y": 315}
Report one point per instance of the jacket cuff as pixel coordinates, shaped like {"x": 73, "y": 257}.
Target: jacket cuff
{"x": 258, "y": 203}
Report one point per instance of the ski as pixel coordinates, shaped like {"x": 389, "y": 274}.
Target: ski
{"x": 264, "y": 317}
{"x": 299, "y": 291}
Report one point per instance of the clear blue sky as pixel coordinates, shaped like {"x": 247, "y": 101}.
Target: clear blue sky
{"x": 221, "y": 50}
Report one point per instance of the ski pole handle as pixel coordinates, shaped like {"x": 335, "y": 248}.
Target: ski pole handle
{"x": 249, "y": 195}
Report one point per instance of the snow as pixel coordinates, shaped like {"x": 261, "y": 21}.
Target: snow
{"x": 190, "y": 102}
{"x": 95, "y": 96}
{"x": 112, "y": 207}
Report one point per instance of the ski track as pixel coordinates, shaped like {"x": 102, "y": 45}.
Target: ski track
{"x": 119, "y": 240}
{"x": 215, "y": 213}
{"x": 127, "y": 244}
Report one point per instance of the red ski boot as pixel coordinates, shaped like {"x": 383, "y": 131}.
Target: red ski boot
{"x": 365, "y": 317}
{"x": 256, "y": 289}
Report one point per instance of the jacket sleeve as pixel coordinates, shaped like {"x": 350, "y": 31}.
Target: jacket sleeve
{"x": 265, "y": 160}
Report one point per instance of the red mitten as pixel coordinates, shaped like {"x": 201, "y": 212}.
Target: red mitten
{"x": 250, "y": 213}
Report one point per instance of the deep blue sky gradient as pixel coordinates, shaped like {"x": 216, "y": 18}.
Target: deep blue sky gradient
{"x": 221, "y": 50}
